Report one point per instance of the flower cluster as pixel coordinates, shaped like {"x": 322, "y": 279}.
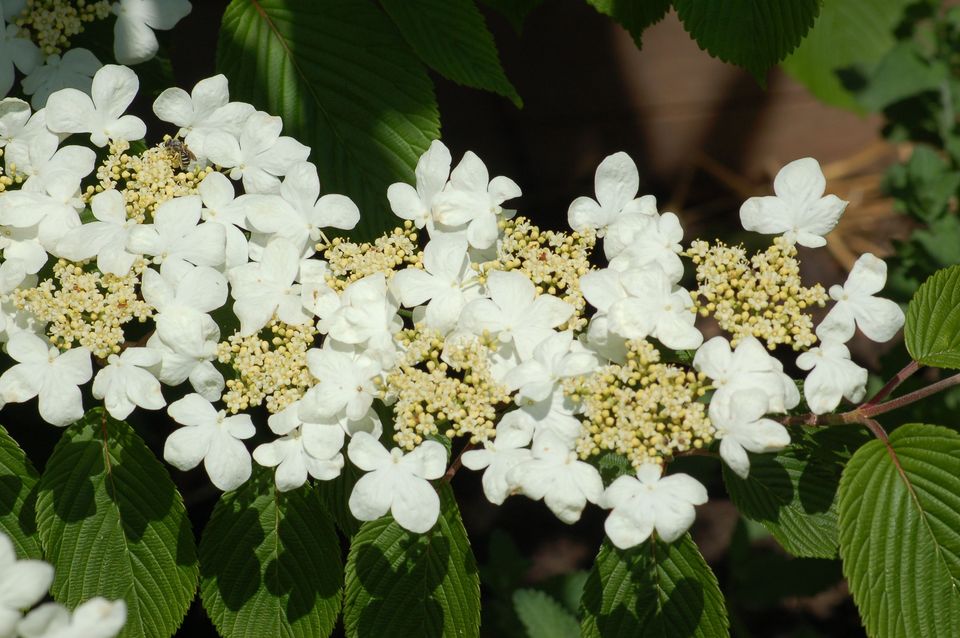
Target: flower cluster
{"x": 464, "y": 328}
{"x": 24, "y": 583}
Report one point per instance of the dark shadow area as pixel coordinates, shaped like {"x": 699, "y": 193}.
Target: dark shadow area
{"x": 228, "y": 551}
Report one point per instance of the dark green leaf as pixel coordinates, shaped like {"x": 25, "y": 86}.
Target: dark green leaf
{"x": 112, "y": 524}
{"x": 924, "y": 186}
{"x": 654, "y": 589}
{"x": 270, "y": 563}
{"x": 932, "y": 330}
{"x": 345, "y": 83}
{"x": 902, "y": 73}
{"x": 542, "y": 616}
{"x": 753, "y": 35}
{"x": 400, "y": 584}
{"x": 506, "y": 565}
{"x": 515, "y": 11}
{"x": 18, "y": 498}
{"x": 847, "y": 33}
{"x": 900, "y": 532}
{"x": 793, "y": 493}
{"x": 633, "y": 16}
{"x": 452, "y": 38}
{"x": 335, "y": 495}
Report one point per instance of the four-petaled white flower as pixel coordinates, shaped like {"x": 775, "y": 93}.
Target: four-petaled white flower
{"x": 741, "y": 427}
{"x": 14, "y": 114}
{"x": 365, "y": 314}
{"x": 650, "y": 501}
{"x": 130, "y": 379}
{"x": 211, "y": 437}
{"x": 345, "y": 382}
{"x": 95, "y": 618}
{"x": 799, "y": 210}
{"x": 75, "y": 70}
{"x": 176, "y": 235}
{"x": 878, "y": 319}
{"x": 133, "y": 38}
{"x": 263, "y": 289}
{"x": 397, "y": 482}
{"x": 499, "y": 456}
{"x": 101, "y": 112}
{"x": 22, "y": 583}
{"x": 416, "y": 204}
{"x": 303, "y": 449}
{"x": 44, "y": 371}
{"x": 832, "y": 376}
{"x": 616, "y": 183}
{"x": 555, "y": 358}
{"x": 106, "y": 238}
{"x": 748, "y": 367}
{"x": 15, "y": 51}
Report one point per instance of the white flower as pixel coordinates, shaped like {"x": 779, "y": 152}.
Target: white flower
{"x": 189, "y": 357}
{"x": 14, "y": 114}
{"x": 740, "y": 427}
{"x": 878, "y": 319}
{"x": 556, "y": 475}
{"x": 221, "y": 207}
{"x": 364, "y": 314}
{"x": 106, "y": 238}
{"x": 345, "y": 382}
{"x": 555, "y": 358}
{"x": 133, "y": 38}
{"x": 260, "y": 155}
{"x": 651, "y": 501}
{"x": 130, "y": 379}
{"x": 95, "y": 618}
{"x": 446, "y": 282}
{"x": 39, "y": 160}
{"x": 500, "y": 456}
{"x": 433, "y": 168}
{"x": 45, "y": 372}
{"x": 832, "y": 376}
{"x": 303, "y": 449}
{"x": 101, "y": 112}
{"x": 211, "y": 437}
{"x": 515, "y": 312}
{"x": 23, "y": 583}
{"x": 798, "y": 210}
{"x": 748, "y": 367}
{"x": 397, "y": 482}
{"x": 15, "y": 51}
{"x": 473, "y": 201}
{"x": 262, "y": 290}
{"x": 639, "y": 240}
{"x": 75, "y": 70}
{"x": 616, "y": 183}
{"x": 184, "y": 294}
{"x": 176, "y": 235}
{"x": 52, "y": 211}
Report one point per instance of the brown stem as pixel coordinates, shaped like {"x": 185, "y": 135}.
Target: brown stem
{"x": 907, "y": 399}
{"x": 893, "y": 383}
{"x": 457, "y": 463}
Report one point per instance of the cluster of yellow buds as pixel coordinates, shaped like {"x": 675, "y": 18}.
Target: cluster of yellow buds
{"x": 348, "y": 261}
{"x": 51, "y": 23}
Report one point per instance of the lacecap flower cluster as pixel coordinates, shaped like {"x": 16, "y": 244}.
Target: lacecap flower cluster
{"x": 465, "y": 327}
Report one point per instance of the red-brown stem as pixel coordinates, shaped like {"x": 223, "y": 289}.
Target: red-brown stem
{"x": 893, "y": 384}
{"x": 907, "y": 399}
{"x": 457, "y": 463}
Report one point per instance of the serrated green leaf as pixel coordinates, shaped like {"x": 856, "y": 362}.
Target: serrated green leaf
{"x": 900, "y": 533}
{"x": 515, "y": 11}
{"x": 654, "y": 589}
{"x": 793, "y": 493}
{"x": 18, "y": 498}
{"x": 335, "y": 496}
{"x": 635, "y": 17}
{"x": 452, "y": 38}
{"x": 270, "y": 563}
{"x": 402, "y": 584}
{"x": 753, "y": 35}
{"x": 932, "y": 330}
{"x": 542, "y": 616}
{"x": 345, "y": 83}
{"x": 113, "y": 524}
{"x": 902, "y": 73}
{"x": 847, "y": 33}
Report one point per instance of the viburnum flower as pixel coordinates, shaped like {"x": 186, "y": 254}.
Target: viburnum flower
{"x": 740, "y": 426}
{"x": 23, "y": 583}
{"x": 345, "y": 382}
{"x": 303, "y": 449}
{"x": 133, "y": 38}
{"x": 189, "y": 355}
{"x": 748, "y": 367}
{"x": 799, "y": 210}
{"x": 183, "y": 295}
{"x": 416, "y": 204}
{"x": 44, "y": 371}
{"x": 446, "y": 282}
{"x": 15, "y": 51}
{"x": 650, "y": 501}
{"x": 52, "y": 210}
{"x": 176, "y": 235}
{"x": 130, "y": 379}
{"x": 14, "y": 114}
{"x": 397, "y": 482}
{"x": 556, "y": 475}
{"x": 856, "y": 306}
{"x": 40, "y": 159}
{"x": 616, "y": 183}
{"x": 101, "y": 112}
{"x": 75, "y": 70}
{"x": 643, "y": 239}
{"x": 364, "y": 314}
{"x": 556, "y": 357}
{"x": 515, "y": 312}
{"x": 95, "y": 618}
{"x": 106, "y": 238}
{"x": 262, "y": 290}
{"x": 472, "y": 201}
{"x": 498, "y": 457}
{"x": 832, "y": 376}
{"x": 211, "y": 437}
{"x": 220, "y": 206}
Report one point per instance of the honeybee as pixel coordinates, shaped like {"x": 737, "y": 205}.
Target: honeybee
{"x": 180, "y": 155}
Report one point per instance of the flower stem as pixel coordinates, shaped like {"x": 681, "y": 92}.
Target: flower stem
{"x": 872, "y": 410}
{"x": 893, "y": 383}
{"x": 457, "y": 463}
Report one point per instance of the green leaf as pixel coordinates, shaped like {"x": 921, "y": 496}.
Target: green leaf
{"x": 633, "y": 16}
{"x": 18, "y": 498}
{"x": 654, "y": 589}
{"x": 794, "y": 493}
{"x": 112, "y": 524}
{"x": 402, "y": 584}
{"x": 542, "y": 616}
{"x": 847, "y": 33}
{"x": 932, "y": 330}
{"x": 270, "y": 563}
{"x": 753, "y": 35}
{"x": 345, "y": 83}
{"x": 335, "y": 496}
{"x": 515, "y": 11}
{"x": 902, "y": 73}
{"x": 924, "y": 186}
{"x": 452, "y": 38}
{"x": 900, "y": 532}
